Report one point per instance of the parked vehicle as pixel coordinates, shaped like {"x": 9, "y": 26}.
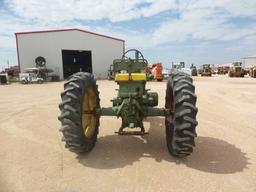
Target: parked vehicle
{"x": 236, "y": 70}
{"x": 181, "y": 68}
{"x": 34, "y": 75}
{"x": 155, "y": 71}
{"x": 26, "y": 78}
{"x": 252, "y": 72}
{"x": 193, "y": 70}
{"x": 206, "y": 70}
{"x": 3, "y": 78}
{"x": 80, "y": 109}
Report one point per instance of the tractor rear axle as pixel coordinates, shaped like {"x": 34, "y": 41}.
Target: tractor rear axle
{"x": 150, "y": 111}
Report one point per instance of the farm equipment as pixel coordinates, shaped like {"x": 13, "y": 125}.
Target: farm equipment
{"x": 206, "y": 70}
{"x": 226, "y": 69}
{"x": 155, "y": 71}
{"x": 221, "y": 71}
{"x": 214, "y": 69}
{"x": 236, "y": 70}
{"x": 34, "y": 75}
{"x": 12, "y": 71}
{"x": 80, "y": 107}
{"x": 199, "y": 71}
{"x": 252, "y": 72}
{"x": 193, "y": 70}
{"x": 27, "y": 78}
{"x": 180, "y": 67}
{"x": 3, "y": 78}
{"x": 111, "y": 73}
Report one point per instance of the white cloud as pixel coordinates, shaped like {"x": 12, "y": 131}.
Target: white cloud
{"x": 67, "y": 10}
{"x": 158, "y": 6}
{"x": 205, "y": 20}
{"x": 230, "y": 7}
{"x": 202, "y": 20}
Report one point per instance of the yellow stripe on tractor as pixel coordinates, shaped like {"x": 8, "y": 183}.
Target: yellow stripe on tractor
{"x": 133, "y": 77}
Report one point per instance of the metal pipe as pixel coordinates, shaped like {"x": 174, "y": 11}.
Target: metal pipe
{"x": 152, "y": 111}
{"x": 109, "y": 111}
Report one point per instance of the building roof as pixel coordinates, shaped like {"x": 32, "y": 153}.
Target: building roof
{"x": 249, "y": 57}
{"x": 63, "y": 30}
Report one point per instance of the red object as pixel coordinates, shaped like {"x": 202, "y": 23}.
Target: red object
{"x": 156, "y": 70}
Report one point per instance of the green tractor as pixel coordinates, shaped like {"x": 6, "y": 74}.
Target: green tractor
{"x": 81, "y": 111}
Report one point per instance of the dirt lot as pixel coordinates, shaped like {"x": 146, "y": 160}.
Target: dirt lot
{"x": 34, "y": 159}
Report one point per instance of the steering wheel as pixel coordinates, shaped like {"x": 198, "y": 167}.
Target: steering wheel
{"x": 140, "y": 56}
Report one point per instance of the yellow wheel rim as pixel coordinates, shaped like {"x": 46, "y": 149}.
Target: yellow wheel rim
{"x": 89, "y": 120}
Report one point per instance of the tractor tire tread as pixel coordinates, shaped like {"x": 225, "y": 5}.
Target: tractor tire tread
{"x": 181, "y": 128}
{"x": 70, "y": 117}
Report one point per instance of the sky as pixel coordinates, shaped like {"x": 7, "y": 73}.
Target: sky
{"x": 193, "y": 31}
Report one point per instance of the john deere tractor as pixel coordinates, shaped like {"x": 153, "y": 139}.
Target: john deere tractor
{"x": 81, "y": 111}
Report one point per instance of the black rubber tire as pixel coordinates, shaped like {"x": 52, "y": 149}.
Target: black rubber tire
{"x": 40, "y": 61}
{"x": 181, "y": 127}
{"x": 71, "y": 113}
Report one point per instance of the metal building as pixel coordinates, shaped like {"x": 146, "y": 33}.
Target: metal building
{"x": 68, "y": 51}
{"x": 249, "y": 61}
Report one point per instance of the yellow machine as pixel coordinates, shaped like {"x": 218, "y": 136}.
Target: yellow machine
{"x": 221, "y": 71}
{"x": 236, "y": 70}
{"x": 206, "y": 71}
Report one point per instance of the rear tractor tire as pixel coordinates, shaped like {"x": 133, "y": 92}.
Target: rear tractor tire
{"x": 180, "y": 127}
{"x": 79, "y": 123}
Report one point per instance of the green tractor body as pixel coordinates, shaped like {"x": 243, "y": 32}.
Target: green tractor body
{"x": 133, "y": 102}
{"x": 80, "y": 108}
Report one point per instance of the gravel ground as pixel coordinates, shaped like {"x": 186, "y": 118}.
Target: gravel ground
{"x": 33, "y": 158}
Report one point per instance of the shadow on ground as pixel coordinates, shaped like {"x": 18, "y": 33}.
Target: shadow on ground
{"x": 210, "y": 155}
